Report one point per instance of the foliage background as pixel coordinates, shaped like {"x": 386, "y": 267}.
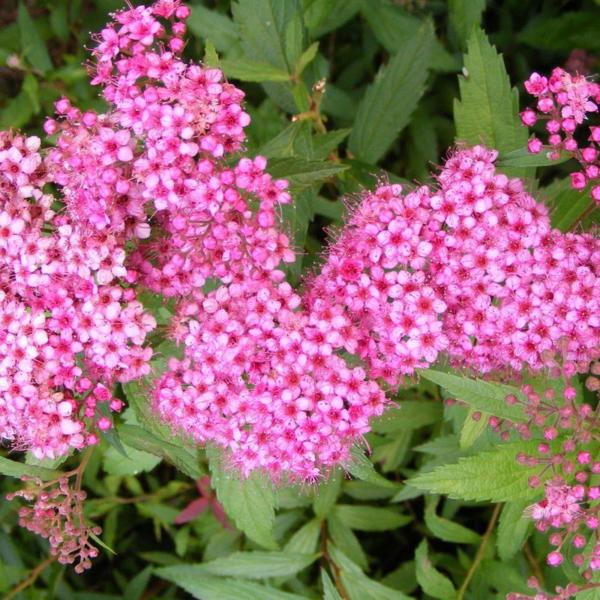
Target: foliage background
{"x": 394, "y": 73}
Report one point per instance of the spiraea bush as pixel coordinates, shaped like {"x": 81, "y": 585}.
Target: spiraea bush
{"x": 299, "y": 300}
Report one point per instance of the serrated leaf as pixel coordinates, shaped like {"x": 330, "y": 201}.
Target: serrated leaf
{"x": 136, "y": 462}
{"x": 294, "y": 140}
{"x": 362, "y": 468}
{"x": 13, "y": 468}
{"x": 271, "y": 32}
{"x": 140, "y": 439}
{"x": 326, "y": 494}
{"x": 248, "y": 70}
{"x": 487, "y": 111}
{"x": 567, "y": 204}
{"x": 463, "y": 16}
{"x": 408, "y": 415}
{"x": 447, "y": 530}
{"x": 214, "y": 26}
{"x": 306, "y": 539}
{"x": 390, "y": 100}
{"x": 513, "y": 528}
{"x": 194, "y": 580}
{"x": 485, "y": 396}
{"x": 323, "y": 16}
{"x": 493, "y": 476}
{"x": 370, "y": 518}
{"x": 32, "y": 43}
{"x": 259, "y": 565}
{"x": 430, "y": 579}
{"x": 249, "y": 502}
{"x": 523, "y": 158}
{"x": 302, "y": 173}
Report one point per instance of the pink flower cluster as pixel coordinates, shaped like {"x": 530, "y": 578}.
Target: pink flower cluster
{"x": 261, "y": 379}
{"x": 471, "y": 268}
{"x": 56, "y": 514}
{"x": 69, "y": 321}
{"x": 564, "y": 101}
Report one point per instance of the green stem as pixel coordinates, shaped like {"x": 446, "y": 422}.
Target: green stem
{"x": 480, "y": 552}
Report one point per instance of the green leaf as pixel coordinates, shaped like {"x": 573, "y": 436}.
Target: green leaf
{"x": 523, "y": 158}
{"x": 391, "y": 99}
{"x": 306, "y": 539}
{"x": 136, "y": 462}
{"x": 32, "y": 88}
{"x": 493, "y": 476}
{"x": 392, "y": 25}
{"x": 249, "y": 502}
{"x": 12, "y": 468}
{"x": 408, "y": 415}
{"x": 513, "y": 529}
{"x": 325, "y": 143}
{"x": 135, "y": 437}
{"x": 343, "y": 537}
{"x": 306, "y": 58}
{"x": 567, "y": 204}
{"x": 211, "y": 57}
{"x": 327, "y": 494}
{"x": 332, "y": 209}
{"x": 357, "y": 585}
{"x": 430, "y": 579}
{"x": 294, "y": 140}
{"x": 194, "y": 580}
{"x": 487, "y": 111}
{"x": 32, "y": 44}
{"x": 214, "y": 26}
{"x": 248, "y": 70}
{"x": 17, "y": 111}
{"x": 463, "y": 16}
{"x": 565, "y": 32}
{"x": 475, "y": 424}
{"x": 329, "y": 590}
{"x": 485, "y": 396}
{"x": 135, "y": 588}
{"x": 323, "y": 16}
{"x": 447, "y": 530}
{"x": 271, "y": 32}
{"x": 370, "y": 518}
{"x": 59, "y": 20}
{"x": 362, "y": 468}
{"x": 302, "y": 173}
{"x": 259, "y": 565}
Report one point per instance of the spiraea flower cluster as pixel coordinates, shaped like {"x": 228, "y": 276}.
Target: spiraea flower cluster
{"x": 471, "y": 268}
{"x": 56, "y": 514}
{"x": 564, "y": 102}
{"x": 261, "y": 379}
{"x": 70, "y": 323}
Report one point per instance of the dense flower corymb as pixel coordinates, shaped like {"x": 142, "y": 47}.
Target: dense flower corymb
{"x": 471, "y": 268}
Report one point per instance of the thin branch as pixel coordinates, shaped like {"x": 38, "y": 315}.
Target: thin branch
{"x": 331, "y": 564}
{"x": 480, "y": 552}
{"x": 31, "y": 578}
